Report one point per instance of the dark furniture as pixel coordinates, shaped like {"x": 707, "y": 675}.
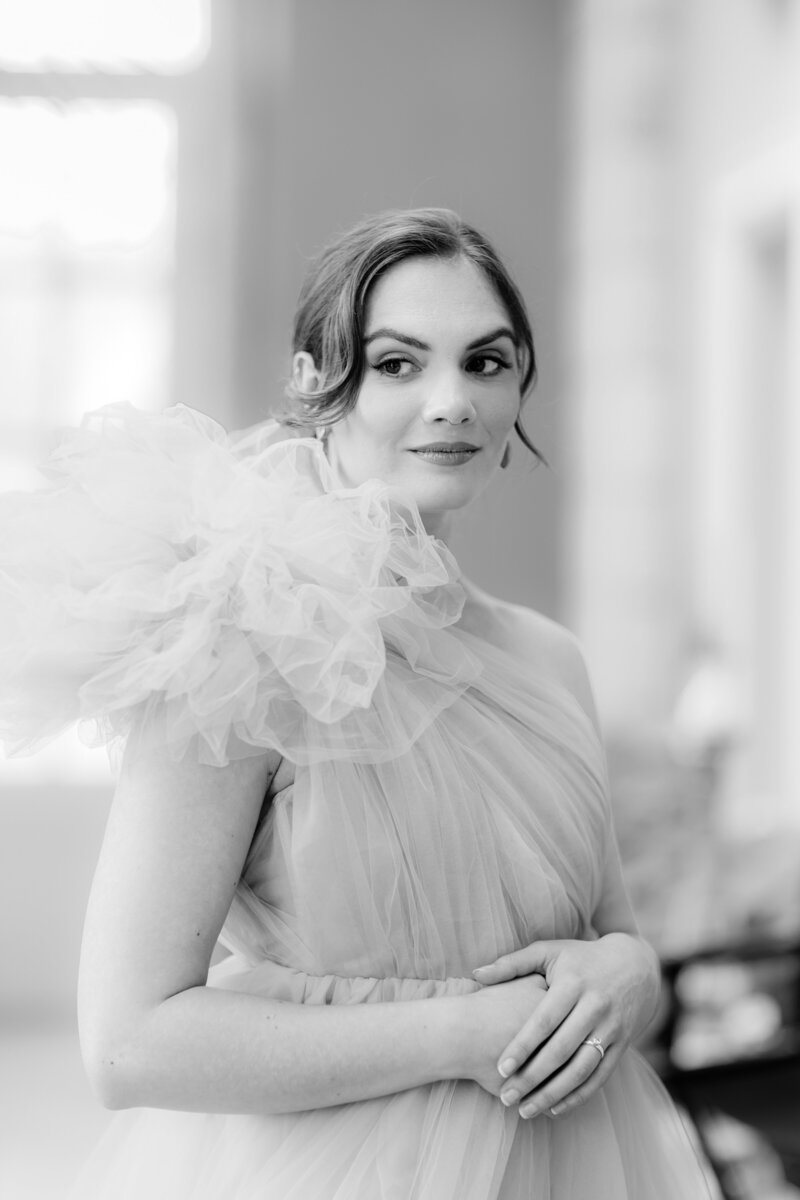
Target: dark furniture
{"x": 755, "y": 1080}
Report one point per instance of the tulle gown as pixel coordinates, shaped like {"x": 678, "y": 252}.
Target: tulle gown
{"x": 222, "y": 595}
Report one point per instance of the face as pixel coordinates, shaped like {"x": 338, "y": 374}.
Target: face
{"x": 441, "y": 388}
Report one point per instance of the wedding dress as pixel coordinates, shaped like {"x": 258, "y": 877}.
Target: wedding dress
{"x": 223, "y": 594}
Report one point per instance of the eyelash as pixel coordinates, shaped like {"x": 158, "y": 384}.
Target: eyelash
{"x": 502, "y": 365}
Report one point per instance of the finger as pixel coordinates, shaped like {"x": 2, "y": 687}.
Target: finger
{"x": 573, "y": 1075}
{"x": 570, "y": 1087}
{"x": 554, "y": 1053}
{"x": 557, "y": 1005}
{"x": 526, "y": 961}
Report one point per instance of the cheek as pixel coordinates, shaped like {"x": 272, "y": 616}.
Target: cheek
{"x": 376, "y": 421}
{"x": 505, "y": 414}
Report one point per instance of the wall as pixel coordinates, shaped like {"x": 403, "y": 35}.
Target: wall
{"x": 371, "y": 106}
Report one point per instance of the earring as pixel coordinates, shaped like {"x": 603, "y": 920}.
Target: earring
{"x": 506, "y": 459}
{"x": 322, "y": 433}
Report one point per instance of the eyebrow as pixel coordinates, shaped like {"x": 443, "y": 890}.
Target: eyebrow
{"x": 406, "y": 339}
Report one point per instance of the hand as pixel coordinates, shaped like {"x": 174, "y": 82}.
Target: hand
{"x": 494, "y": 1015}
{"x": 607, "y": 989}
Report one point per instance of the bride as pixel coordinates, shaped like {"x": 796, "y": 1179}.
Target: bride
{"x": 380, "y": 789}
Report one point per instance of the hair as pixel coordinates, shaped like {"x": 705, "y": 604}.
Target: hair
{"x": 330, "y": 318}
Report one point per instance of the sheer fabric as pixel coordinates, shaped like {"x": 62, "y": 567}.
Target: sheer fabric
{"x": 223, "y": 595}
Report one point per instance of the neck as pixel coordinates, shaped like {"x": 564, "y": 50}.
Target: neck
{"x": 438, "y": 525}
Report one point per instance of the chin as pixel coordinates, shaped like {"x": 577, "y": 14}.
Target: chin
{"x": 436, "y": 502}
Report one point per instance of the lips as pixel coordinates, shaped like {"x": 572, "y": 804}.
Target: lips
{"x": 446, "y": 454}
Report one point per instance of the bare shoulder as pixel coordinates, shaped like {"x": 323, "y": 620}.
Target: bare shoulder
{"x": 552, "y": 650}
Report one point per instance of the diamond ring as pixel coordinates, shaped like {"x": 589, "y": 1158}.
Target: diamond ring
{"x": 596, "y": 1044}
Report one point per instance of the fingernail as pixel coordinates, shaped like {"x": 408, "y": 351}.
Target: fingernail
{"x": 478, "y": 970}
{"x": 507, "y": 1067}
{"x": 557, "y": 1110}
{"x": 530, "y": 1110}
{"x": 509, "y": 1097}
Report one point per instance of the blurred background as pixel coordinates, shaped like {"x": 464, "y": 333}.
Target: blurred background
{"x": 167, "y": 169}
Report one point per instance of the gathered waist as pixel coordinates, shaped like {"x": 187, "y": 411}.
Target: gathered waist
{"x": 279, "y": 982}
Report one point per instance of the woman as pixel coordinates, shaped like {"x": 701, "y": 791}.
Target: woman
{"x": 379, "y": 788}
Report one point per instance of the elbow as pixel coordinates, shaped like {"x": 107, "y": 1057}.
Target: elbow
{"x": 109, "y": 1085}
{"x": 111, "y": 1074}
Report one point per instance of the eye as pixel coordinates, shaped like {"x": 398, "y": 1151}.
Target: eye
{"x": 395, "y": 367}
{"x": 488, "y": 365}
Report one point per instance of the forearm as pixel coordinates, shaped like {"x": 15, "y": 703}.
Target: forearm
{"x": 209, "y": 1050}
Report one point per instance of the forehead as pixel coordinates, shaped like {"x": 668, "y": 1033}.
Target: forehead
{"x": 434, "y": 293}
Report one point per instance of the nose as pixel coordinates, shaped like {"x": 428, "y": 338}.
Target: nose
{"x": 449, "y": 400}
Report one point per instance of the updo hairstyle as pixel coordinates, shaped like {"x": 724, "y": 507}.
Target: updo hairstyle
{"x": 329, "y": 323}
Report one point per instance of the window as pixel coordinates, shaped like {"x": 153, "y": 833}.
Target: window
{"x": 86, "y": 221}
{"x": 120, "y": 36}
{"x": 87, "y": 229}
{"x": 747, "y": 551}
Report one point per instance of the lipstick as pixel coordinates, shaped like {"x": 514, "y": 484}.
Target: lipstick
{"x": 447, "y": 454}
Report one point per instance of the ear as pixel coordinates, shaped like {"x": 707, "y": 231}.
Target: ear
{"x": 305, "y": 376}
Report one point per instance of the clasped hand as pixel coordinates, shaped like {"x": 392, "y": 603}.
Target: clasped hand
{"x": 574, "y": 990}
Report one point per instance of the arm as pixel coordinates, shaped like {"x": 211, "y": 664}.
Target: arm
{"x": 153, "y": 1034}
{"x": 607, "y": 988}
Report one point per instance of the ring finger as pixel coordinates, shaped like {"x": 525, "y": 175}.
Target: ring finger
{"x": 577, "y": 1075}
{"x": 556, "y": 1052}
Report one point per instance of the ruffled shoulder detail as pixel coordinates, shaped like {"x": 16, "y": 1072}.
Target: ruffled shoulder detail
{"x": 221, "y": 593}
